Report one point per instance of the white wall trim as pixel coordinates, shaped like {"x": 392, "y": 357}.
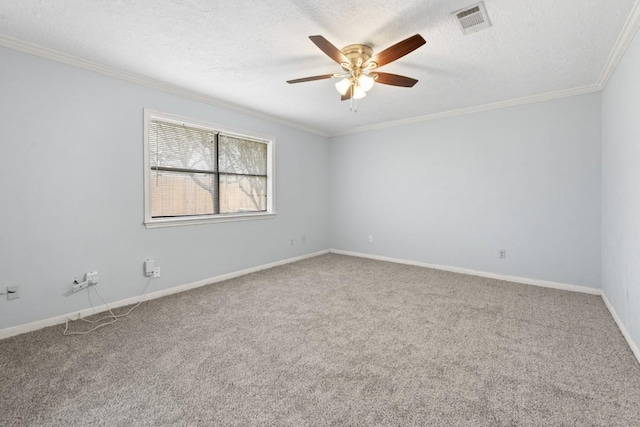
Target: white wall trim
{"x": 56, "y": 320}
{"x": 43, "y": 52}
{"x": 629, "y": 30}
{"x": 634, "y": 347}
{"x": 54, "y": 55}
{"x": 546, "y": 284}
{"x": 477, "y": 109}
{"x": 624, "y": 39}
{"x": 516, "y": 279}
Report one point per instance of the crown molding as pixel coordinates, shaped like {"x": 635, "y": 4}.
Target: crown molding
{"x": 54, "y": 55}
{"x": 477, "y": 109}
{"x": 629, "y": 30}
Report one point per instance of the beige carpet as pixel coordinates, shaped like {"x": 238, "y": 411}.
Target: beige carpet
{"x": 333, "y": 340}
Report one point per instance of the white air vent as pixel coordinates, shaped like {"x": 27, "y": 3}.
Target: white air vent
{"x": 473, "y": 18}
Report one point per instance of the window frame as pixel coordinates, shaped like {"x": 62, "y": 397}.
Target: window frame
{"x": 151, "y": 222}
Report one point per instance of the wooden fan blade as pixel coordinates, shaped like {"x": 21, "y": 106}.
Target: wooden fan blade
{"x": 398, "y": 50}
{"x": 395, "y": 80}
{"x": 330, "y": 50}
{"x": 346, "y": 96}
{"x": 312, "y": 78}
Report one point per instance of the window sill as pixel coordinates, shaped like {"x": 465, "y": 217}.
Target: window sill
{"x": 176, "y": 222}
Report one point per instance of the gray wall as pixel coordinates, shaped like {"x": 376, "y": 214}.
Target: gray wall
{"x": 456, "y": 191}
{"x": 621, "y": 190}
{"x": 451, "y": 192}
{"x": 71, "y": 192}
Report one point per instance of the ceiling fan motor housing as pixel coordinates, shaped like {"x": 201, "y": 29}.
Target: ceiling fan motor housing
{"x": 357, "y": 54}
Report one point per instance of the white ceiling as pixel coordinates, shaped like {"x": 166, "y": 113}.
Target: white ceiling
{"x": 241, "y": 52}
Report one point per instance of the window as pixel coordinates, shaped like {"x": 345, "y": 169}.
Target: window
{"x": 197, "y": 173}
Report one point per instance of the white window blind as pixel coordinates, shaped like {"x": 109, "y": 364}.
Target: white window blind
{"x": 195, "y": 171}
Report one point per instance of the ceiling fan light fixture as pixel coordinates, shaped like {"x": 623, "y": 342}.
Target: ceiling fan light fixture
{"x": 358, "y": 92}
{"x": 365, "y": 82}
{"x": 343, "y": 86}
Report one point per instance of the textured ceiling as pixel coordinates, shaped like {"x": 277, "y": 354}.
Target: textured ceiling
{"x": 241, "y": 52}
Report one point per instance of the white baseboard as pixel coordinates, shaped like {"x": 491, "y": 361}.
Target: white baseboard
{"x": 56, "y": 320}
{"x": 516, "y": 279}
{"x": 555, "y": 285}
{"x": 634, "y": 347}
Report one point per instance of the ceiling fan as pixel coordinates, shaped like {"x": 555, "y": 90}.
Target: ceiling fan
{"x": 359, "y": 63}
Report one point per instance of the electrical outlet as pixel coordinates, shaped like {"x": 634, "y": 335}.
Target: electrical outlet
{"x": 370, "y": 238}
{"x": 13, "y": 292}
{"x": 92, "y": 278}
{"x": 156, "y": 272}
{"x": 78, "y": 286}
{"x": 503, "y": 254}
{"x": 291, "y": 242}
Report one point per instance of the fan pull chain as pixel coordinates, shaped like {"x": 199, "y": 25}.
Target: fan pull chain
{"x": 353, "y": 103}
